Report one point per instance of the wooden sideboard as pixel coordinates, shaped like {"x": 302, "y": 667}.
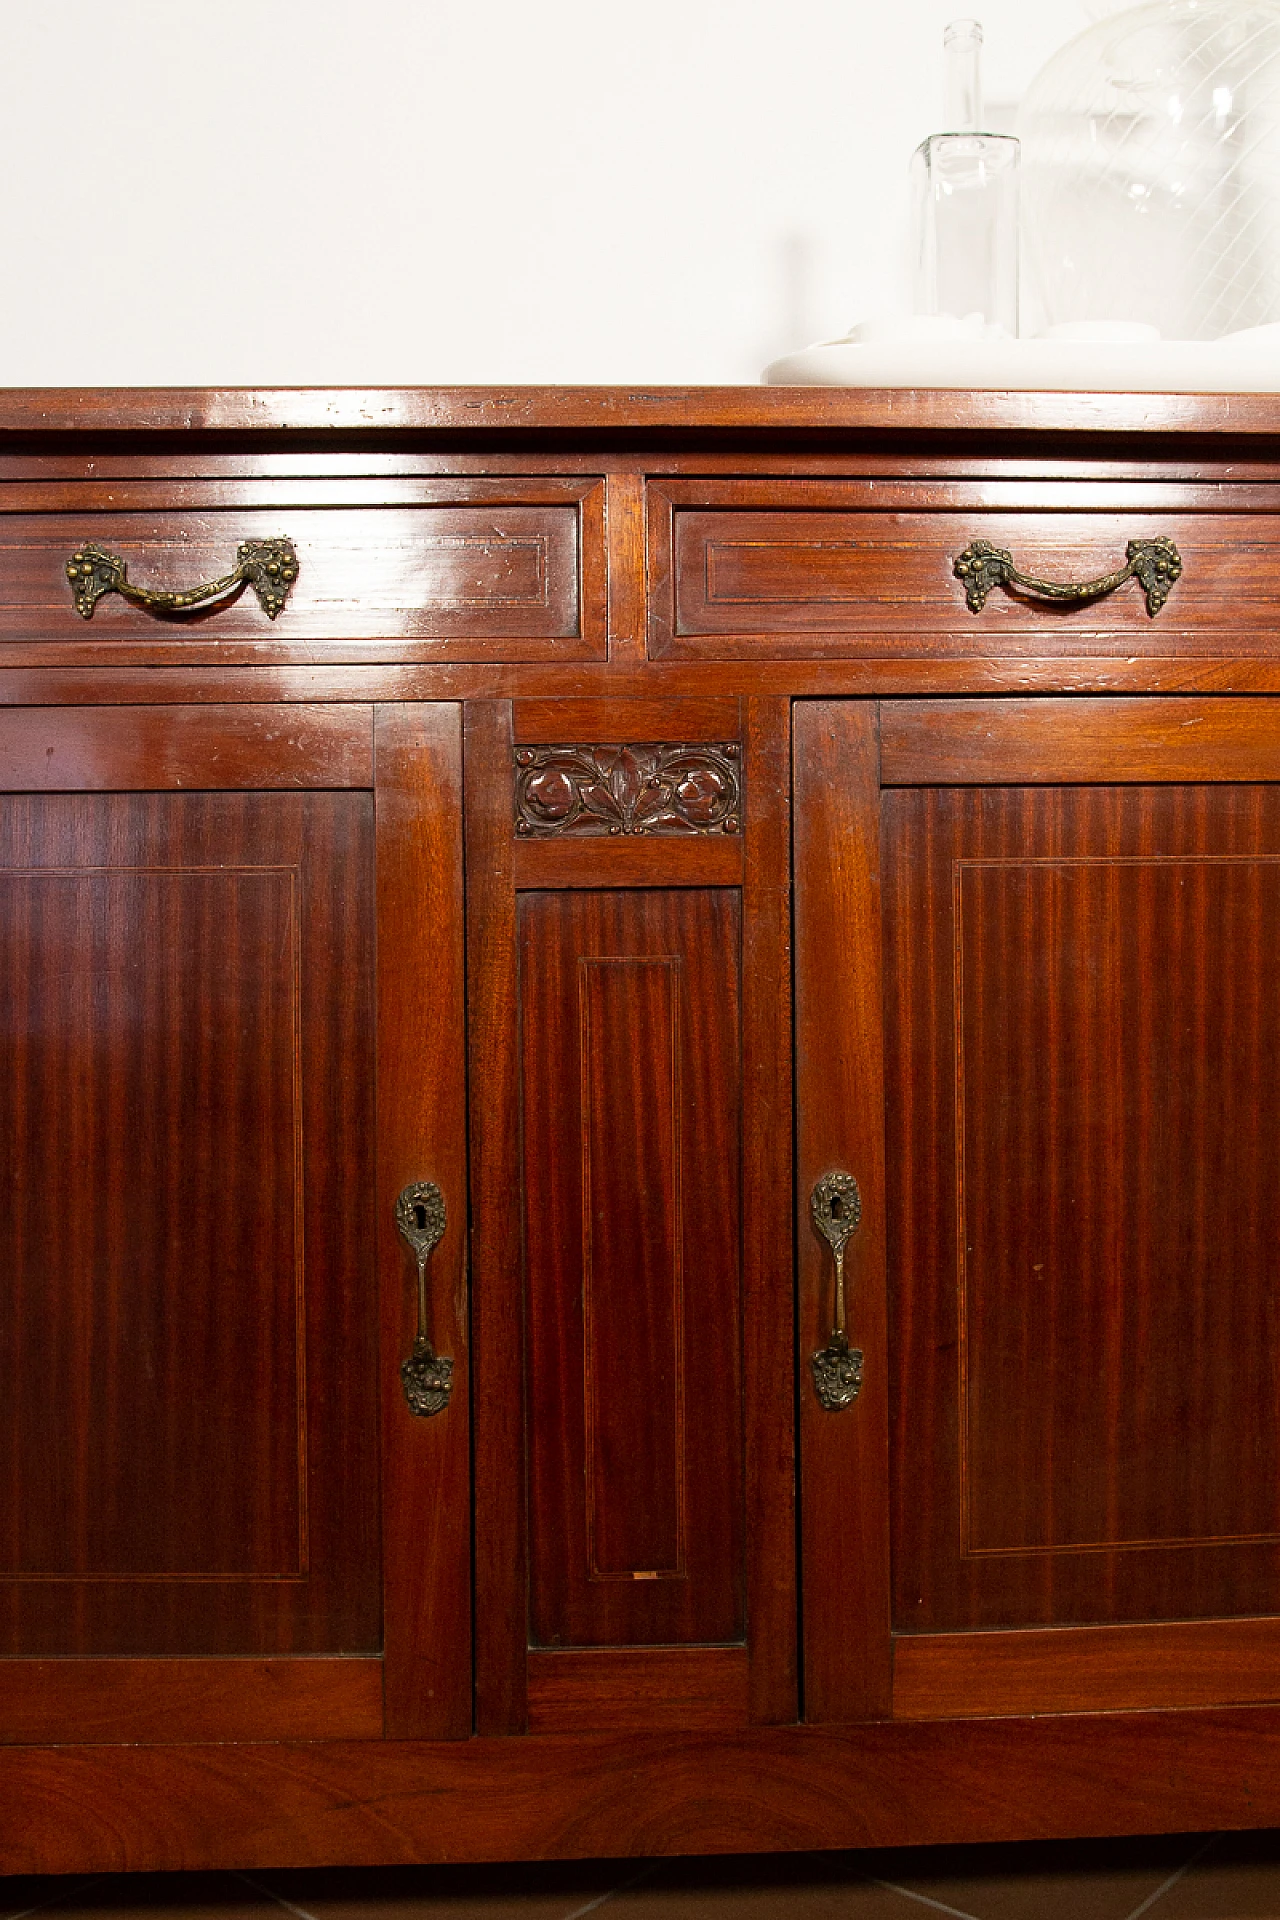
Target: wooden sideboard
{"x": 593, "y": 854}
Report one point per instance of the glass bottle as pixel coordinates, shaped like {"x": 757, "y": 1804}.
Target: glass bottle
{"x": 964, "y": 193}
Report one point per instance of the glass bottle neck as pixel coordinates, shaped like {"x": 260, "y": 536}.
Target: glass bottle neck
{"x": 962, "y": 43}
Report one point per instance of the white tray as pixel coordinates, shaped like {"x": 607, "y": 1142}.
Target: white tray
{"x": 1242, "y": 363}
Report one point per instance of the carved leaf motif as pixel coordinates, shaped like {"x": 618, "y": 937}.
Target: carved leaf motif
{"x": 597, "y": 799}
{"x": 624, "y": 782}
{"x": 677, "y": 789}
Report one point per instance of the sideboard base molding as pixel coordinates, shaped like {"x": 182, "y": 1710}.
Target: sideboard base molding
{"x": 124, "y": 1809}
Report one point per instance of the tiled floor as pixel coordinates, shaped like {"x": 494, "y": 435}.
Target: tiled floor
{"x": 1182, "y": 1877}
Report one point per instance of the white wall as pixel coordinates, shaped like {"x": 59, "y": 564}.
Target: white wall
{"x": 403, "y": 191}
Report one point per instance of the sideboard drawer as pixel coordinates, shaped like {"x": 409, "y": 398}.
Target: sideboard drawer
{"x": 874, "y": 575}
{"x": 460, "y": 570}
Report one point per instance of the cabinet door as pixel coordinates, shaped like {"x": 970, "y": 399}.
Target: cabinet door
{"x": 630, "y": 1073}
{"x": 189, "y": 1515}
{"x": 1076, "y": 905}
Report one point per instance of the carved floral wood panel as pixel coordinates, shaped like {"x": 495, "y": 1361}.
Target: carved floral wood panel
{"x": 628, "y": 790}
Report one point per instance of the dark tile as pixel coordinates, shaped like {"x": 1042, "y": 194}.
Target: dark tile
{"x": 803, "y": 1886}
{"x": 1239, "y": 1879}
{"x": 151, "y": 1896}
{"x": 1053, "y": 1880}
{"x": 550, "y": 1889}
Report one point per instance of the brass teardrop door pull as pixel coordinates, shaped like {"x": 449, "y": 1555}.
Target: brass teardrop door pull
{"x": 427, "y": 1376}
{"x": 270, "y": 567}
{"x": 836, "y": 1207}
{"x": 1155, "y": 564}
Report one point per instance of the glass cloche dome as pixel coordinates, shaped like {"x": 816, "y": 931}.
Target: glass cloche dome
{"x": 1151, "y": 171}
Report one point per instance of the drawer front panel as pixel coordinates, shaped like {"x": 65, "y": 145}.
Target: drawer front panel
{"x": 874, "y": 583}
{"x": 478, "y": 579}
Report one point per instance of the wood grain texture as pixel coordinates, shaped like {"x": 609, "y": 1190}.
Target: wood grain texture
{"x": 625, "y": 534}
{"x": 768, "y": 1254}
{"x": 461, "y": 576}
{"x": 156, "y": 749}
{"x": 558, "y": 720}
{"x": 616, "y": 1688}
{"x": 497, "y": 1253}
{"x": 630, "y": 1038}
{"x": 1082, "y": 1203}
{"x": 839, "y": 1102}
{"x": 422, "y": 1108}
{"x": 188, "y": 1110}
{"x": 1252, "y": 668}
{"x": 674, "y": 861}
{"x": 165, "y": 1702}
{"x": 95, "y": 1810}
{"x": 751, "y": 582}
{"x": 366, "y": 411}
{"x": 1179, "y": 1663}
{"x": 1054, "y": 742}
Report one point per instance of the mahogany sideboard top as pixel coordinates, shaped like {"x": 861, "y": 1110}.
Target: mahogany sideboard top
{"x": 612, "y": 808}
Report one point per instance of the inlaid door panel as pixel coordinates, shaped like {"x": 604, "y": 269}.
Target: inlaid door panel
{"x": 1083, "y": 1111}
{"x": 188, "y": 1429}
{"x": 632, "y": 1164}
{"x": 1049, "y": 930}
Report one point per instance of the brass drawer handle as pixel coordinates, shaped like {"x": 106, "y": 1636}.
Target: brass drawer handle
{"x": 270, "y": 567}
{"x": 427, "y": 1376}
{"x": 836, "y": 1207}
{"x": 1155, "y": 564}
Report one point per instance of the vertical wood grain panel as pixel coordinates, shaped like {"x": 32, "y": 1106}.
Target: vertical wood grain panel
{"x": 422, "y": 1136}
{"x": 632, "y": 1282}
{"x": 624, "y": 530}
{"x": 768, "y": 1250}
{"x": 497, "y": 1260}
{"x": 189, "y": 1454}
{"x": 1082, "y": 1102}
{"x": 167, "y": 993}
{"x": 633, "y": 1261}
{"x": 839, "y": 1054}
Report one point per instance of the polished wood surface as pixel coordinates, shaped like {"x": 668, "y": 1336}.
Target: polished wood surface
{"x": 884, "y": 582}
{"x": 1082, "y": 1202}
{"x": 187, "y": 1117}
{"x": 454, "y": 569}
{"x": 122, "y": 1702}
{"x": 840, "y": 1112}
{"x": 155, "y": 749}
{"x": 768, "y": 1258}
{"x": 473, "y": 411}
{"x": 1178, "y": 1663}
{"x": 496, "y": 1249}
{"x": 1058, "y": 742}
{"x": 575, "y": 1795}
{"x": 630, "y": 1030}
{"x": 1071, "y": 813}
{"x": 639, "y": 1688}
{"x": 422, "y": 1105}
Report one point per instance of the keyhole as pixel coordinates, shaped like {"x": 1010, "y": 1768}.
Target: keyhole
{"x": 419, "y": 1216}
{"x": 836, "y": 1207}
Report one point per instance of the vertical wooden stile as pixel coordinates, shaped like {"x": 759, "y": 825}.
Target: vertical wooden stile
{"x": 497, "y": 1266}
{"x": 767, "y": 1271}
{"x": 422, "y": 1136}
{"x": 840, "y": 1106}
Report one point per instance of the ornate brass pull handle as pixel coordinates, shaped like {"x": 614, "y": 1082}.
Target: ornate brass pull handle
{"x": 836, "y": 1207}
{"x": 1155, "y": 564}
{"x": 427, "y": 1376}
{"x": 270, "y": 567}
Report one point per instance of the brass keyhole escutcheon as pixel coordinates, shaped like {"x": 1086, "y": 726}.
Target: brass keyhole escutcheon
{"x": 835, "y": 1206}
